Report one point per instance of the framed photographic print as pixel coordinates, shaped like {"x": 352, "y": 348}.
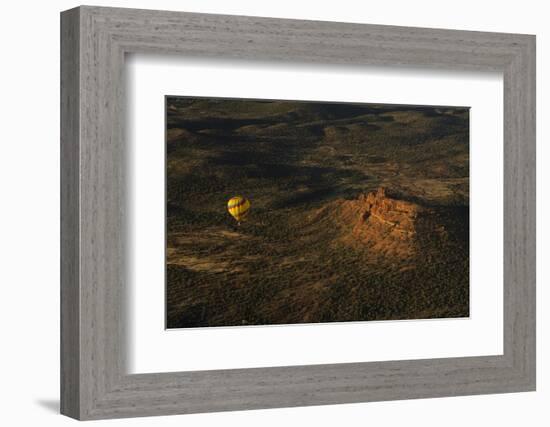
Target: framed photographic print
{"x": 263, "y": 213}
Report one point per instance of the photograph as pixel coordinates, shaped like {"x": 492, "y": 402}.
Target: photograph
{"x": 293, "y": 212}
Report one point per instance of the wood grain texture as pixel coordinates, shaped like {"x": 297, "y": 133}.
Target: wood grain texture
{"x": 95, "y": 383}
{"x": 70, "y": 314}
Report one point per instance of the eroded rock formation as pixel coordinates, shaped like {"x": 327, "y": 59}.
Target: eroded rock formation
{"x": 385, "y": 225}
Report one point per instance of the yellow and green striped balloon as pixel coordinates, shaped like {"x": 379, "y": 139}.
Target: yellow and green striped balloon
{"x": 238, "y": 207}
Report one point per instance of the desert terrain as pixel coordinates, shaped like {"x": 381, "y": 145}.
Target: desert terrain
{"x": 358, "y": 212}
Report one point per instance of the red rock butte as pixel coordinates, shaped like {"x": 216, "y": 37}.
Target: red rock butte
{"x": 385, "y": 225}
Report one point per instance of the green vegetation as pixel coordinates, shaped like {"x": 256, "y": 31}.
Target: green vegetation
{"x": 290, "y": 159}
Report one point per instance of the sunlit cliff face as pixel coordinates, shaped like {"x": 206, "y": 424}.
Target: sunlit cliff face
{"x": 385, "y": 225}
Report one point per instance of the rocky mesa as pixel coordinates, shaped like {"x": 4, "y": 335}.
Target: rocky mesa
{"x": 384, "y": 224}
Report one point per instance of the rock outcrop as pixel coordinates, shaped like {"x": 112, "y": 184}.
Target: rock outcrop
{"x": 385, "y": 225}
{"x": 397, "y": 216}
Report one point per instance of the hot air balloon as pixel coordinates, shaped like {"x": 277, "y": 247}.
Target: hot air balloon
{"x": 238, "y": 207}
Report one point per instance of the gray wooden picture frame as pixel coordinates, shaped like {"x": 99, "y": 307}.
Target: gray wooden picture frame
{"x": 94, "y": 381}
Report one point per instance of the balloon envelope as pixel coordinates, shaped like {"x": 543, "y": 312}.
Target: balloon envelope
{"x": 238, "y": 207}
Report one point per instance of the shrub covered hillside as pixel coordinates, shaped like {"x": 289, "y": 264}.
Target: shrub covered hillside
{"x": 358, "y": 212}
